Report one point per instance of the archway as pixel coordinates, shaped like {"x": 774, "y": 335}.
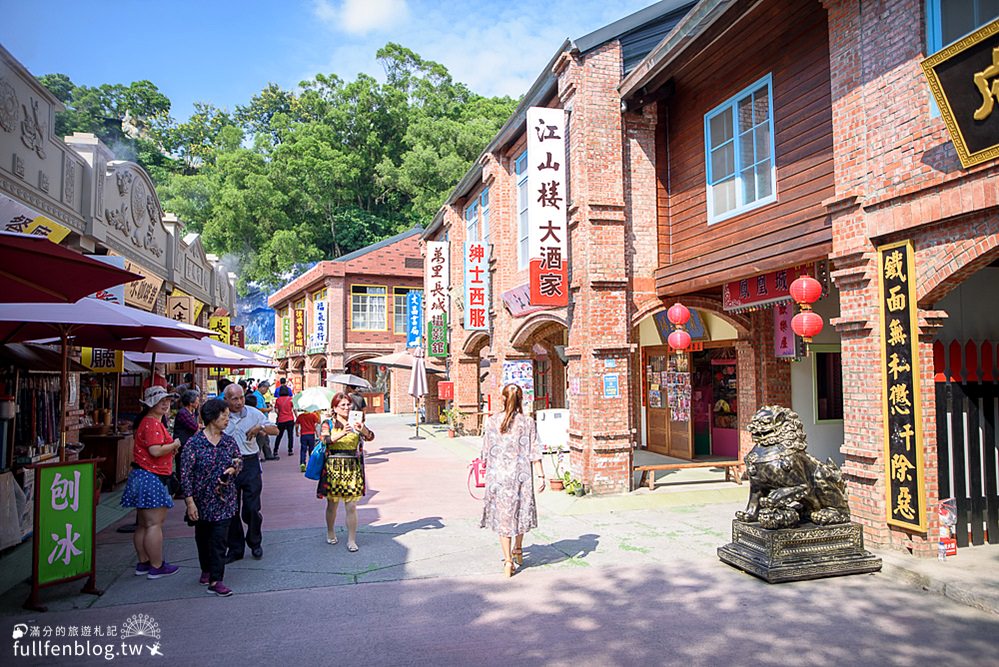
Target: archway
{"x": 542, "y": 338}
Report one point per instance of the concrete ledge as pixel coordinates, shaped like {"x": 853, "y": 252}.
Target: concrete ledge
{"x": 970, "y": 578}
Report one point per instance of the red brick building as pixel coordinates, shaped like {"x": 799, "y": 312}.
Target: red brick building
{"x": 363, "y": 294}
{"x": 613, "y": 247}
{"x": 855, "y": 169}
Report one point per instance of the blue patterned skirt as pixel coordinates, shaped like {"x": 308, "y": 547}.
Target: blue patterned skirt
{"x": 144, "y": 490}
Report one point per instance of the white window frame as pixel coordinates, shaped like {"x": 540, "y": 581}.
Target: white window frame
{"x": 400, "y": 293}
{"x": 523, "y": 228}
{"x": 732, "y": 104}
{"x": 484, "y": 214}
{"x": 472, "y": 221}
{"x": 363, "y": 308}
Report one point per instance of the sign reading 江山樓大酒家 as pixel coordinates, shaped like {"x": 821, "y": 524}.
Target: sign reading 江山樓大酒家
{"x": 904, "y": 488}
{"x": 964, "y": 79}
{"x": 546, "y": 208}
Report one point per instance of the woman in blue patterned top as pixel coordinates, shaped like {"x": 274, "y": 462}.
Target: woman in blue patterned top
{"x": 209, "y": 463}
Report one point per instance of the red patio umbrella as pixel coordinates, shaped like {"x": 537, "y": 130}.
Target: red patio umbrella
{"x": 84, "y": 320}
{"x": 34, "y": 269}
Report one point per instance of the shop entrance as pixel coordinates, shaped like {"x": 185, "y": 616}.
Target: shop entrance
{"x": 714, "y": 403}
{"x": 666, "y": 380}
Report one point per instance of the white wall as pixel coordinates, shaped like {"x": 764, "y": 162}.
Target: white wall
{"x": 824, "y": 439}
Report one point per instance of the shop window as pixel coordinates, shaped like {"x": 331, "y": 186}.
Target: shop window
{"x": 523, "y": 232}
{"x": 472, "y": 221}
{"x": 367, "y": 308}
{"x": 828, "y": 385}
{"x": 484, "y": 213}
{"x": 739, "y": 152}
{"x": 949, "y": 20}
{"x": 400, "y": 319}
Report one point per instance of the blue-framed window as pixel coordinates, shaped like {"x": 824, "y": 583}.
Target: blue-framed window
{"x": 949, "y": 20}
{"x": 739, "y": 152}
{"x": 472, "y": 221}
{"x": 520, "y": 170}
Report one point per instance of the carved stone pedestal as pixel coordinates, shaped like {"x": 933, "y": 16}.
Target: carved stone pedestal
{"x": 797, "y": 554}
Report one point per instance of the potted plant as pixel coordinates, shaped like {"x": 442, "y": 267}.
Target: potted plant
{"x": 451, "y": 417}
{"x": 555, "y": 482}
{"x": 573, "y": 486}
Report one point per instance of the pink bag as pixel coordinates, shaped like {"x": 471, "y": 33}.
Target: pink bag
{"x": 476, "y": 476}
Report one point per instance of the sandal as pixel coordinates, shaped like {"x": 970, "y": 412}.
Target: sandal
{"x": 332, "y": 540}
{"x": 518, "y": 556}
{"x": 352, "y": 548}
{"x": 508, "y": 568}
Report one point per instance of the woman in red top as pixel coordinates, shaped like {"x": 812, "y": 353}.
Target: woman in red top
{"x": 146, "y": 489}
{"x": 285, "y": 419}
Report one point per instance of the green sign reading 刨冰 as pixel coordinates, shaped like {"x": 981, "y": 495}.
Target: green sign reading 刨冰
{"x": 65, "y": 521}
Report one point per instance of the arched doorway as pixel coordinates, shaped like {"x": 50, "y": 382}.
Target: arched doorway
{"x": 379, "y": 398}
{"x": 542, "y": 339}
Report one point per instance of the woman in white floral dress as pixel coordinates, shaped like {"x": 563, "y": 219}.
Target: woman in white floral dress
{"x": 510, "y": 450}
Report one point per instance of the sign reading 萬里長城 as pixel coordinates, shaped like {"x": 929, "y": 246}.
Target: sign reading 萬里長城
{"x": 964, "y": 80}
{"x": 904, "y": 488}
{"x": 436, "y": 298}
{"x": 476, "y": 286}
{"x": 414, "y": 318}
{"x": 546, "y": 211}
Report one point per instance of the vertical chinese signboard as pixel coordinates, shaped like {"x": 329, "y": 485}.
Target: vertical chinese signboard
{"x": 414, "y": 318}
{"x": 437, "y": 282}
{"x": 286, "y": 332}
{"x": 476, "y": 286}
{"x": 237, "y": 335}
{"x": 904, "y": 488}
{"x": 298, "y": 329}
{"x": 181, "y": 308}
{"x": 546, "y": 212}
{"x": 63, "y": 544}
{"x": 785, "y": 342}
{"x": 320, "y": 334}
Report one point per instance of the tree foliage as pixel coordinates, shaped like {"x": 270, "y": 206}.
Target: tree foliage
{"x": 295, "y": 176}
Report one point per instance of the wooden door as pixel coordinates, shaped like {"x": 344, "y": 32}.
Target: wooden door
{"x": 657, "y": 413}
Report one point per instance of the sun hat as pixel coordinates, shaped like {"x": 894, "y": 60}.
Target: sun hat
{"x": 154, "y": 395}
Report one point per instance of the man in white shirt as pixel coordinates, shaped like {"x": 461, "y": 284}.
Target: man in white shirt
{"x": 244, "y": 425}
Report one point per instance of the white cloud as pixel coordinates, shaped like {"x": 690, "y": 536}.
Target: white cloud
{"x": 360, "y": 17}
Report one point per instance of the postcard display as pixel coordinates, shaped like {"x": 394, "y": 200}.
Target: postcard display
{"x": 669, "y": 375}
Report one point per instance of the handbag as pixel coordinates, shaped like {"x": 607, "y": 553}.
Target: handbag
{"x": 317, "y": 460}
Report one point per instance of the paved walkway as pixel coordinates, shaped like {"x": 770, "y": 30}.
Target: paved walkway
{"x": 608, "y": 580}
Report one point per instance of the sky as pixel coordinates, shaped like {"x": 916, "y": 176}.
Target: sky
{"x": 224, "y": 52}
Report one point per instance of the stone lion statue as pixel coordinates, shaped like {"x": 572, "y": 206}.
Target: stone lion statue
{"x": 787, "y": 485}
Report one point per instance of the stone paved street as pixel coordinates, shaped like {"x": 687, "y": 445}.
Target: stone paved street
{"x": 613, "y": 580}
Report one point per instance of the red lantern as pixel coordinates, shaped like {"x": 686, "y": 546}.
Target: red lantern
{"x": 679, "y": 339}
{"x": 806, "y": 289}
{"x": 678, "y": 314}
{"x": 807, "y": 325}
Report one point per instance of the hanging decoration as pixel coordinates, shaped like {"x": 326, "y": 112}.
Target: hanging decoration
{"x": 678, "y": 315}
{"x": 805, "y": 291}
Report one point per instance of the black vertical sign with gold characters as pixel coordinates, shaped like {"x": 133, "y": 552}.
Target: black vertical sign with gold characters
{"x": 904, "y": 488}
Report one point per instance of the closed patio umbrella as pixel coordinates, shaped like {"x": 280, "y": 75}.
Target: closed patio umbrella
{"x": 36, "y": 270}
{"x": 418, "y": 386}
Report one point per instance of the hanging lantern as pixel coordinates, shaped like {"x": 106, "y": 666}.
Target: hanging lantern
{"x": 678, "y": 314}
{"x": 806, "y": 289}
{"x": 807, "y": 324}
{"x": 679, "y": 340}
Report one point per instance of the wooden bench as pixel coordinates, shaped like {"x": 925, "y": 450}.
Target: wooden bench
{"x": 733, "y": 470}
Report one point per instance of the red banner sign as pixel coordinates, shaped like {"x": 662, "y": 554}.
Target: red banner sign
{"x": 445, "y": 391}
{"x": 764, "y": 289}
{"x": 237, "y": 336}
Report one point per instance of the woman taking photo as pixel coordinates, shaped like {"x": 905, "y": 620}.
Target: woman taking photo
{"x": 343, "y": 475}
{"x": 146, "y": 489}
{"x": 510, "y": 450}
{"x": 209, "y": 464}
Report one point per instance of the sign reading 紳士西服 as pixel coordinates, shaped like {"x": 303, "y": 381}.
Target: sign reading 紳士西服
{"x": 546, "y": 210}
{"x": 436, "y": 285}
{"x": 904, "y": 488}
{"x": 964, "y": 79}
{"x": 414, "y": 317}
{"x": 63, "y": 526}
{"x": 476, "y": 286}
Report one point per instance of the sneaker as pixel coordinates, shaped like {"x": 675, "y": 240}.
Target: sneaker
{"x": 290, "y": 452}
{"x": 303, "y": 470}
{"x": 164, "y": 570}
{"x": 142, "y": 568}
{"x": 220, "y": 590}
{"x": 206, "y": 578}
